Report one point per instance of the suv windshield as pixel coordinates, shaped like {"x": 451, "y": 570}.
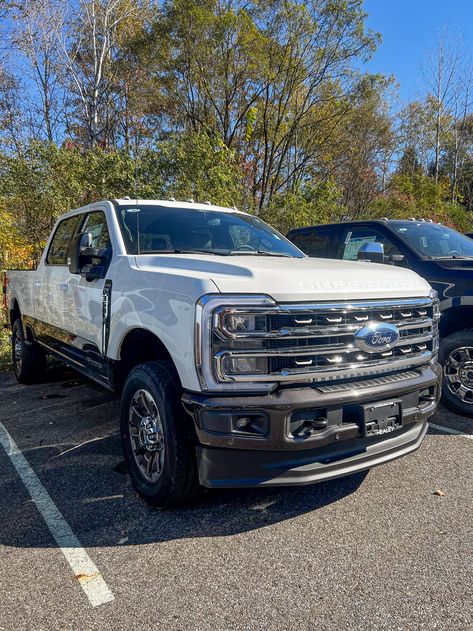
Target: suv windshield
{"x": 161, "y": 229}
{"x": 432, "y": 240}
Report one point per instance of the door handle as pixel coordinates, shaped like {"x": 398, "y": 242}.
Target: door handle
{"x": 37, "y": 283}
{"x": 63, "y": 286}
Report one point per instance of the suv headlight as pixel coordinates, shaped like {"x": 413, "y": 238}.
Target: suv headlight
{"x": 227, "y": 327}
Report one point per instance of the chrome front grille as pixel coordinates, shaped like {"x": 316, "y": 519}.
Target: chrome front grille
{"x": 317, "y": 342}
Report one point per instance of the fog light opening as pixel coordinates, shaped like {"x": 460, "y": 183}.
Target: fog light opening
{"x": 242, "y": 422}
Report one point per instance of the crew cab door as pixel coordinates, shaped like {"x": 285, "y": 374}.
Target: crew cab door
{"x": 83, "y": 299}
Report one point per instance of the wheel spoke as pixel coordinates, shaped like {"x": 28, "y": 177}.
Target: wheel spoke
{"x": 145, "y": 403}
{"x": 463, "y": 353}
{"x": 150, "y": 463}
{"x": 135, "y": 410}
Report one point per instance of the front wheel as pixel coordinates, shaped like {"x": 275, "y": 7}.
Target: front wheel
{"x": 160, "y": 457}
{"x": 456, "y": 357}
{"x": 28, "y": 359}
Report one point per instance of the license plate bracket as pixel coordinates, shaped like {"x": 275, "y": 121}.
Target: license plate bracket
{"x": 382, "y": 418}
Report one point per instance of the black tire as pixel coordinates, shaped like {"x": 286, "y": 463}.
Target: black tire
{"x": 28, "y": 358}
{"x": 158, "y": 433}
{"x": 456, "y": 357}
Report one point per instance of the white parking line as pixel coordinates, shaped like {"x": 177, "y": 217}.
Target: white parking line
{"x": 450, "y": 430}
{"x": 84, "y": 569}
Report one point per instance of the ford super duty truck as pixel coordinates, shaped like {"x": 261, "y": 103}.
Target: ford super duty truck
{"x": 240, "y": 360}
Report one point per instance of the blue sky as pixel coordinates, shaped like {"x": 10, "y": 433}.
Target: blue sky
{"x": 410, "y": 28}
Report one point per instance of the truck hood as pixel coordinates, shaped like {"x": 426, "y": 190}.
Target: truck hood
{"x": 292, "y": 279}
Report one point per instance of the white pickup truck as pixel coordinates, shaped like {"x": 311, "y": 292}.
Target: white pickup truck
{"x": 240, "y": 361}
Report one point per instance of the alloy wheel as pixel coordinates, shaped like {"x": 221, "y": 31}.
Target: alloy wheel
{"x": 146, "y": 434}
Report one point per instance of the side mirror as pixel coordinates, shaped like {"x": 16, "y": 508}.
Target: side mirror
{"x": 81, "y": 254}
{"x": 81, "y": 242}
{"x": 397, "y": 258}
{"x": 372, "y": 252}
{"x": 92, "y": 272}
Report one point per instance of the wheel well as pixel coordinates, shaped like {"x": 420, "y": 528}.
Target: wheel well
{"x": 14, "y": 312}
{"x": 456, "y": 319}
{"x": 139, "y": 346}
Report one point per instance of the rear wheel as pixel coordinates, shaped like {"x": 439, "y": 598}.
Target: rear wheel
{"x": 160, "y": 457}
{"x": 28, "y": 358}
{"x": 456, "y": 357}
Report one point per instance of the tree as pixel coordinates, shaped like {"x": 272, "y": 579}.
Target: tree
{"x": 89, "y": 47}
{"x": 409, "y": 164}
{"x": 443, "y": 67}
{"x": 267, "y": 78}
{"x": 34, "y": 35}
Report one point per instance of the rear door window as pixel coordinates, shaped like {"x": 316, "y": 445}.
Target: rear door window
{"x": 318, "y": 243}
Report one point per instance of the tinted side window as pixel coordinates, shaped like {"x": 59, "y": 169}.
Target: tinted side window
{"x": 96, "y": 224}
{"x": 57, "y": 253}
{"x": 359, "y": 236}
{"x": 321, "y": 244}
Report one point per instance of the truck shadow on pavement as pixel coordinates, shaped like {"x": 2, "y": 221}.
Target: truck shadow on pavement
{"x": 68, "y": 432}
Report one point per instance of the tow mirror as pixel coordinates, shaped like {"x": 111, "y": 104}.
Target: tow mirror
{"x": 81, "y": 254}
{"x": 372, "y": 252}
{"x": 80, "y": 243}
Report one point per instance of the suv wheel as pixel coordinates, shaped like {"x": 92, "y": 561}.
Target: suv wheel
{"x": 28, "y": 359}
{"x": 160, "y": 457}
{"x": 456, "y": 357}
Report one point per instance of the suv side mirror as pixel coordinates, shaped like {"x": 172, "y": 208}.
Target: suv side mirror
{"x": 373, "y": 251}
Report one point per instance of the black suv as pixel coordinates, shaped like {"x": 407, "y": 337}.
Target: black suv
{"x": 439, "y": 254}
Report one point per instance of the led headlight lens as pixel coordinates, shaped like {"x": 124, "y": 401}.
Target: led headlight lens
{"x": 245, "y": 323}
{"x": 245, "y": 365}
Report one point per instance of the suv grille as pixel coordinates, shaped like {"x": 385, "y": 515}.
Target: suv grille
{"x": 317, "y": 342}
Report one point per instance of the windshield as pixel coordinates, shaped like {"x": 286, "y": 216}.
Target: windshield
{"x": 159, "y": 229}
{"x": 432, "y": 240}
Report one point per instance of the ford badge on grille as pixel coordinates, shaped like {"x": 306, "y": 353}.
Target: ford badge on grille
{"x": 377, "y": 336}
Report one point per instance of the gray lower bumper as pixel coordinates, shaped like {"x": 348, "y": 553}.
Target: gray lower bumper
{"x": 273, "y": 456}
{"x": 232, "y": 468}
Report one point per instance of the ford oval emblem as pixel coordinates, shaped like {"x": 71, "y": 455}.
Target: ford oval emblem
{"x": 377, "y": 336}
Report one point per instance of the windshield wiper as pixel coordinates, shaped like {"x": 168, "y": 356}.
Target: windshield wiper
{"x": 261, "y": 253}
{"x": 180, "y": 251}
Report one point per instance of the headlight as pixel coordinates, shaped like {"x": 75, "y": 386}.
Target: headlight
{"x": 245, "y": 365}
{"x": 226, "y": 336}
{"x": 235, "y": 323}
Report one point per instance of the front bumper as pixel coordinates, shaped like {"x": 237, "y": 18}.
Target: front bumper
{"x": 268, "y": 451}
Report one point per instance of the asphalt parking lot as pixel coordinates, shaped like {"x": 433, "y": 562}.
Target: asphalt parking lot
{"x": 374, "y": 551}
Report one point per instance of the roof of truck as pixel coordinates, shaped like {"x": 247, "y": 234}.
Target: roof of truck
{"x": 361, "y": 222}
{"x": 173, "y": 203}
